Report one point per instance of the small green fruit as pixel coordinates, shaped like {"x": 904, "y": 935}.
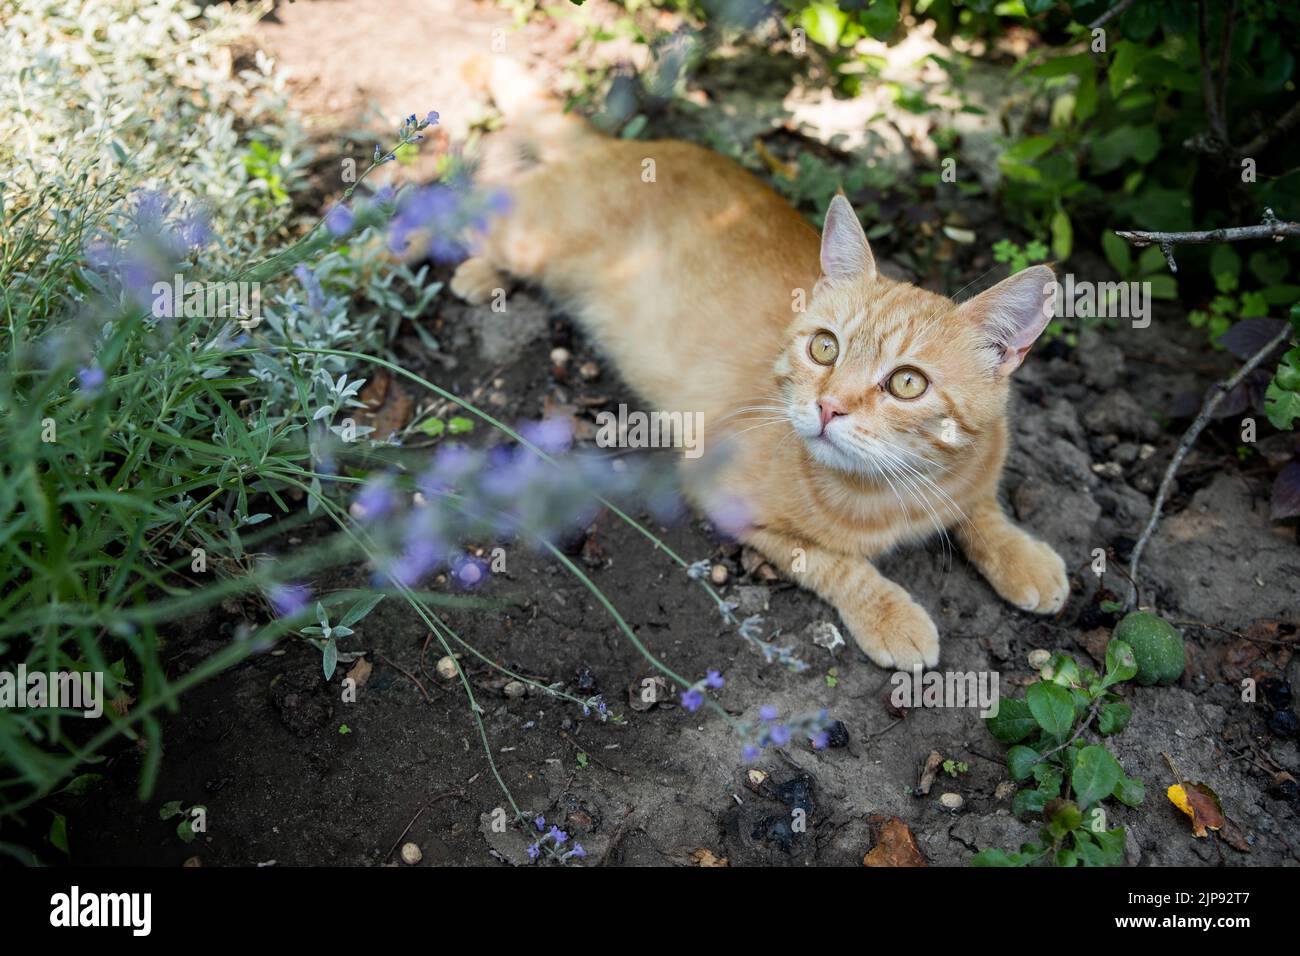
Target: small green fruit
{"x": 1157, "y": 647}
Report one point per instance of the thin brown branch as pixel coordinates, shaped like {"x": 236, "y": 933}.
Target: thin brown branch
{"x": 1185, "y": 445}
{"x": 1285, "y": 123}
{"x": 1225, "y": 56}
{"x": 1270, "y": 228}
{"x": 1110, "y": 14}
{"x": 1213, "y": 108}
{"x": 409, "y": 676}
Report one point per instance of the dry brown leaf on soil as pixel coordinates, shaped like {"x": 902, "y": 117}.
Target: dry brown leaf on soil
{"x": 360, "y": 671}
{"x": 1095, "y": 642}
{"x": 703, "y": 857}
{"x": 583, "y": 428}
{"x": 388, "y": 406}
{"x": 1200, "y": 803}
{"x": 929, "y": 772}
{"x": 1263, "y": 646}
{"x": 895, "y": 845}
{"x": 1234, "y": 836}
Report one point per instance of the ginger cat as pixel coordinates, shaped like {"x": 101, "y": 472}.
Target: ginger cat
{"x": 873, "y": 417}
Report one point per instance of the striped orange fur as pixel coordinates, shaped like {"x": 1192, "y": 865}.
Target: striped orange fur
{"x": 707, "y": 290}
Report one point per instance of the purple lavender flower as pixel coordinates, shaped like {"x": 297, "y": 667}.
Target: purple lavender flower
{"x": 667, "y": 506}
{"x": 339, "y": 220}
{"x": 432, "y": 118}
{"x": 534, "y": 850}
{"x": 578, "y": 851}
{"x": 750, "y": 753}
{"x": 420, "y": 556}
{"x": 540, "y": 823}
{"x": 451, "y": 465}
{"x": 376, "y": 500}
{"x": 692, "y": 699}
{"x": 558, "y": 835}
{"x": 499, "y": 202}
{"x": 150, "y": 209}
{"x": 91, "y": 378}
{"x": 767, "y": 712}
{"x": 509, "y": 473}
{"x": 552, "y": 435}
{"x": 731, "y": 516}
{"x": 432, "y": 208}
{"x": 469, "y": 572}
{"x": 713, "y": 679}
{"x": 311, "y": 284}
{"x": 194, "y": 231}
{"x": 820, "y": 740}
{"x": 288, "y": 599}
{"x": 780, "y": 734}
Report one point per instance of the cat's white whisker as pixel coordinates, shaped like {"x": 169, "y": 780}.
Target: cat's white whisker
{"x": 901, "y": 471}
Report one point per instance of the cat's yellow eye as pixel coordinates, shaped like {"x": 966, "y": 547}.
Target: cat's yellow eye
{"x": 824, "y": 348}
{"x": 907, "y": 383}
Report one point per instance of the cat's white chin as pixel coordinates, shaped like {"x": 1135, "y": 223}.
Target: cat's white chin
{"x": 828, "y": 452}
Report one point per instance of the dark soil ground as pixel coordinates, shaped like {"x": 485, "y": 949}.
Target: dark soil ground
{"x": 263, "y": 747}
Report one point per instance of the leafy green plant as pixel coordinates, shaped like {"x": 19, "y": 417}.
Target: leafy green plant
{"x": 266, "y": 169}
{"x": 1230, "y": 303}
{"x": 189, "y": 816}
{"x": 1067, "y": 780}
{"x": 330, "y": 634}
{"x": 1018, "y": 257}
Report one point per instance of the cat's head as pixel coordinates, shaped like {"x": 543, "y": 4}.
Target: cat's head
{"x": 881, "y": 377}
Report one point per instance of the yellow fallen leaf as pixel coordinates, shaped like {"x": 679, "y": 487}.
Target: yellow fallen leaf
{"x": 1200, "y": 803}
{"x": 895, "y": 845}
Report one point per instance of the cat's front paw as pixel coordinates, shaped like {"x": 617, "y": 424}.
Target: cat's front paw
{"x": 1029, "y": 574}
{"x": 893, "y": 630}
{"x": 476, "y": 280}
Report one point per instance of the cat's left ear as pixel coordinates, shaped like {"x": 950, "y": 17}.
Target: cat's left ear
{"x": 1014, "y": 313}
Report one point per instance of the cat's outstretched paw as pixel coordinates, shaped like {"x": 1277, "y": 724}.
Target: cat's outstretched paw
{"x": 1029, "y": 574}
{"x": 476, "y": 281}
{"x": 894, "y": 631}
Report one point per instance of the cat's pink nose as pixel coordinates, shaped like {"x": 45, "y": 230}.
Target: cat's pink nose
{"x": 829, "y": 408}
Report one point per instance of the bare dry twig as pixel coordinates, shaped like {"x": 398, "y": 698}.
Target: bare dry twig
{"x": 1185, "y": 445}
{"x": 1112, "y": 12}
{"x": 1288, "y": 121}
{"x": 1270, "y": 228}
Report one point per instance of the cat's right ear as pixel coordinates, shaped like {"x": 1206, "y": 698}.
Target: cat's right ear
{"x": 845, "y": 254}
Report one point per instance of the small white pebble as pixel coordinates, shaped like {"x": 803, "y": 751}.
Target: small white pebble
{"x": 952, "y": 801}
{"x": 1039, "y": 658}
{"x": 411, "y": 854}
{"x": 560, "y": 356}
{"x": 447, "y": 668}
{"x": 515, "y": 689}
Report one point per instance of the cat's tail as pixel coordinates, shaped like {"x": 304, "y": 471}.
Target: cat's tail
{"x": 536, "y": 128}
